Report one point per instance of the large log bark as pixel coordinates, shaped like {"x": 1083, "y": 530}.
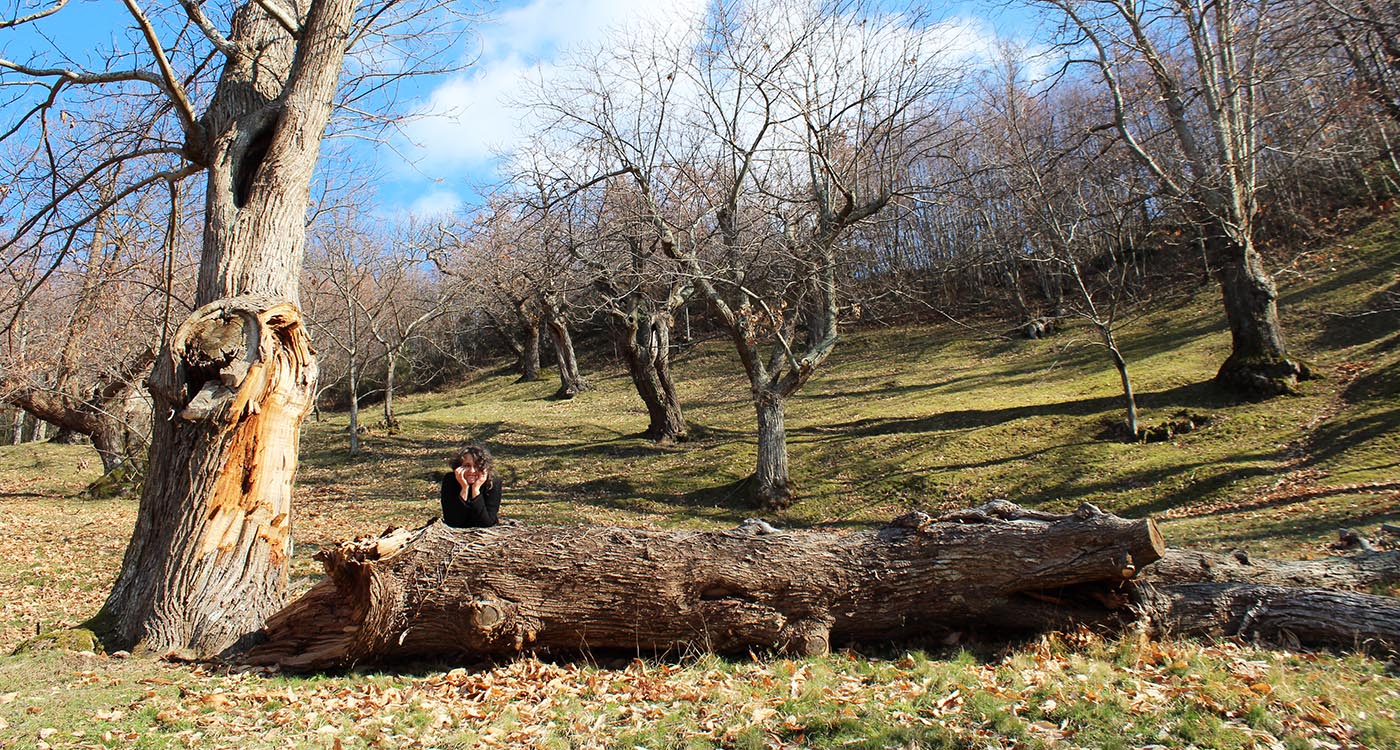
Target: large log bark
{"x": 441, "y": 591}
{"x": 1358, "y": 572}
{"x": 1277, "y": 614}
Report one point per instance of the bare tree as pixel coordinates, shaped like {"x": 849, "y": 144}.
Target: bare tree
{"x": 542, "y": 236}
{"x": 754, "y": 149}
{"x": 412, "y": 299}
{"x": 87, "y": 337}
{"x": 342, "y": 296}
{"x": 487, "y": 256}
{"x": 1073, "y": 196}
{"x": 606, "y": 231}
{"x": 641, "y": 298}
{"x": 1368, "y": 33}
{"x": 1194, "y": 125}
{"x": 474, "y": 250}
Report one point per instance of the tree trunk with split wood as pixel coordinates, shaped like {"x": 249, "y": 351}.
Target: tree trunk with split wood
{"x": 439, "y": 591}
{"x": 208, "y": 559}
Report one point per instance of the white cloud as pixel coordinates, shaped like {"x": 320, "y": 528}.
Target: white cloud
{"x": 436, "y": 203}
{"x": 469, "y": 118}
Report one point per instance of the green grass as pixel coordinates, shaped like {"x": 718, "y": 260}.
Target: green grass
{"x": 925, "y": 417}
{"x": 916, "y": 417}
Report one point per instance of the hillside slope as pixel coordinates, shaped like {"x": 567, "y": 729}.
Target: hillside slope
{"x": 932, "y": 417}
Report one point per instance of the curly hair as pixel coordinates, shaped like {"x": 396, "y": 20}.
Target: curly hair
{"x": 479, "y": 456}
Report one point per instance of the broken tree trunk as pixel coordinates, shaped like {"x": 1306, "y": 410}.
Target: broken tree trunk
{"x": 209, "y": 556}
{"x": 439, "y": 591}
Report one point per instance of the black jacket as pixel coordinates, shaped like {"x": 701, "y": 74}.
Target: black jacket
{"x": 480, "y": 511}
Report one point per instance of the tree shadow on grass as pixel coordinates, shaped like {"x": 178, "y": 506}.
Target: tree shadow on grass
{"x": 1376, "y": 320}
{"x": 1284, "y": 500}
{"x": 1378, "y": 386}
{"x": 1313, "y": 525}
{"x": 724, "y": 503}
{"x": 1204, "y": 395}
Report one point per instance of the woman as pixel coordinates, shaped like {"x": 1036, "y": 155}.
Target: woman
{"x": 471, "y": 492}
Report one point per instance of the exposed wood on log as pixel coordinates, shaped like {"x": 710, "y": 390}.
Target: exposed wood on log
{"x": 443, "y": 592}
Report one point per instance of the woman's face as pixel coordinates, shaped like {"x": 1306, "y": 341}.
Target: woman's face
{"x": 469, "y": 468}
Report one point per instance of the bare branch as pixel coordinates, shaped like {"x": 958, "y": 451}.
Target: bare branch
{"x": 188, "y": 120}
{"x": 10, "y": 23}
{"x": 212, "y": 33}
{"x": 282, "y": 16}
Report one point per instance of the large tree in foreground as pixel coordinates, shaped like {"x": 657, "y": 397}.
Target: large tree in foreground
{"x": 1188, "y": 84}
{"x": 243, "y": 97}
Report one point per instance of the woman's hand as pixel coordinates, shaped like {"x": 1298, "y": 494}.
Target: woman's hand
{"x": 470, "y": 478}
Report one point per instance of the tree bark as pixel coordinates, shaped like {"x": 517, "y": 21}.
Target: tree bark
{"x": 1278, "y": 614}
{"x": 391, "y": 362}
{"x": 354, "y": 427}
{"x": 571, "y": 383}
{"x": 439, "y": 591}
{"x": 209, "y": 557}
{"x": 645, "y": 341}
{"x": 262, "y": 136}
{"x": 85, "y": 419}
{"x": 527, "y": 348}
{"x": 1258, "y": 363}
{"x": 1358, "y": 572}
{"x": 773, "y": 489}
{"x": 1120, "y": 364}
{"x": 530, "y": 354}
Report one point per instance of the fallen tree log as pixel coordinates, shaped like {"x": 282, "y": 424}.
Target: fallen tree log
{"x": 439, "y": 591}
{"x": 1357, "y": 572}
{"x": 1276, "y": 614}
{"x": 447, "y": 593}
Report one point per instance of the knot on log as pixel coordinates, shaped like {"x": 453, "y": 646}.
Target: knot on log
{"x": 912, "y": 520}
{"x": 806, "y": 637}
{"x": 486, "y": 615}
{"x": 1085, "y": 511}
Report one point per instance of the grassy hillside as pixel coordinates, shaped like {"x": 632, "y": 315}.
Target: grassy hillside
{"x": 930, "y": 417}
{"x": 925, "y": 417}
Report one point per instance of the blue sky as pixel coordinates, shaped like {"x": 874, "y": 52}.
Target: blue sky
{"x": 462, "y": 120}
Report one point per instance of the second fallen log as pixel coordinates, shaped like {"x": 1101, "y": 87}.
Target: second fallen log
{"x": 439, "y": 591}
